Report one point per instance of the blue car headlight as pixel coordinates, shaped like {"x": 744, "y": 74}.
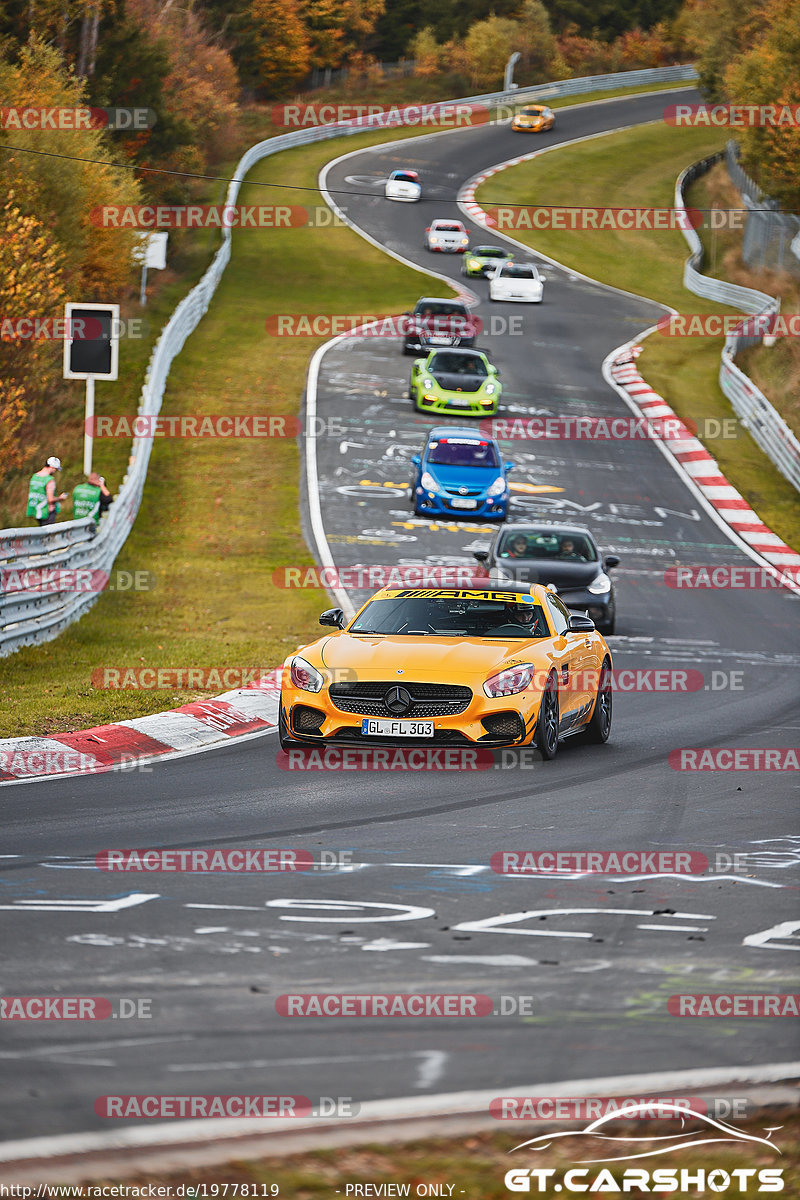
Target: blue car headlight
{"x": 429, "y": 483}
{"x": 498, "y": 487}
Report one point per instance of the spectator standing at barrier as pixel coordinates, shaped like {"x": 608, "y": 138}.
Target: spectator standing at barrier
{"x": 43, "y": 503}
{"x": 92, "y": 498}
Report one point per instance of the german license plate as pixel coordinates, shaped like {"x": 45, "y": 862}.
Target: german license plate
{"x": 370, "y": 725}
{"x": 457, "y": 402}
{"x": 440, "y": 341}
{"x": 464, "y": 503}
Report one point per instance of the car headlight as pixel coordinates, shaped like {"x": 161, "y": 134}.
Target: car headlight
{"x": 434, "y": 239}
{"x": 600, "y": 584}
{"x": 490, "y": 389}
{"x": 428, "y": 482}
{"x": 498, "y": 487}
{"x": 465, "y": 241}
{"x": 511, "y": 681}
{"x": 304, "y": 676}
{"x": 428, "y": 384}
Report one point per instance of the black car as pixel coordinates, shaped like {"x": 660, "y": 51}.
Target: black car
{"x": 563, "y": 555}
{"x": 437, "y": 322}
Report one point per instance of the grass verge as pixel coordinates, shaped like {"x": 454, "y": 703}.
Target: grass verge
{"x": 684, "y": 371}
{"x": 474, "y": 1166}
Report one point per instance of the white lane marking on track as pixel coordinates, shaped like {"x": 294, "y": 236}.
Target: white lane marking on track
{"x": 677, "y": 928}
{"x": 786, "y": 929}
{"x": 489, "y": 960}
{"x": 431, "y": 1068}
{"x": 82, "y": 906}
{"x": 495, "y": 924}
{"x": 384, "y": 944}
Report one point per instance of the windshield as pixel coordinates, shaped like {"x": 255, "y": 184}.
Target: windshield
{"x": 458, "y": 364}
{"x": 447, "y": 227}
{"x": 453, "y": 615}
{"x": 405, "y": 177}
{"x": 441, "y": 310}
{"x": 490, "y": 252}
{"x": 519, "y": 271}
{"x": 544, "y": 543}
{"x": 533, "y": 111}
{"x": 459, "y": 452}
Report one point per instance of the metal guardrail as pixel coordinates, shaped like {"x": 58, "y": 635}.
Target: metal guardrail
{"x": 764, "y": 423}
{"x": 771, "y": 237}
{"x": 35, "y": 616}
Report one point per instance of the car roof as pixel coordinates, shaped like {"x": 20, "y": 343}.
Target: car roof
{"x": 459, "y": 431}
{"x": 529, "y": 527}
{"x": 447, "y": 221}
{"x": 439, "y": 300}
{"x": 468, "y": 351}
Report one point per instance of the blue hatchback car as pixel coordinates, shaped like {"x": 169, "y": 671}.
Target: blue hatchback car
{"x": 460, "y": 473}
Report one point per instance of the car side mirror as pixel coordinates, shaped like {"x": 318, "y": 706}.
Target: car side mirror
{"x": 481, "y": 555}
{"x": 508, "y": 466}
{"x": 416, "y": 460}
{"x": 580, "y": 623}
{"x": 611, "y": 560}
{"x": 333, "y": 616}
{"x": 428, "y": 229}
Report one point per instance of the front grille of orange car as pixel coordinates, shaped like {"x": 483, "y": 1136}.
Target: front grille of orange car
{"x": 504, "y": 725}
{"x": 307, "y": 720}
{"x": 429, "y": 699}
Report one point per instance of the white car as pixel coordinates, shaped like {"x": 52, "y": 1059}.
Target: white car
{"x": 448, "y": 237}
{"x": 403, "y": 185}
{"x": 516, "y": 281}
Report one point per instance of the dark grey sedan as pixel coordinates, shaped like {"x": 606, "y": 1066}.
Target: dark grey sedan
{"x": 565, "y": 556}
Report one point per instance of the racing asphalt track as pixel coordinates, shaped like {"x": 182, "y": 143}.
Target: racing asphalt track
{"x": 213, "y": 952}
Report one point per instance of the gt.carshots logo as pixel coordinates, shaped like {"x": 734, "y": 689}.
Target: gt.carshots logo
{"x": 608, "y": 1139}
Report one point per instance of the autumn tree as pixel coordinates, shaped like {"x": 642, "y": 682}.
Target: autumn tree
{"x": 716, "y": 32}
{"x": 768, "y": 73}
{"x": 60, "y": 176}
{"x": 274, "y": 50}
{"x": 488, "y": 46}
{"x": 31, "y": 285}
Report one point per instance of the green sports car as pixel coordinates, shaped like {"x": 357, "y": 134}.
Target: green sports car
{"x": 462, "y": 381}
{"x": 483, "y": 259}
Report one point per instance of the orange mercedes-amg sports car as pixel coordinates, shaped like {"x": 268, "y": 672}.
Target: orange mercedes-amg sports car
{"x": 491, "y": 665}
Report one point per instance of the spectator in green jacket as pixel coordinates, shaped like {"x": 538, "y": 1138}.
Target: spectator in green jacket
{"x": 92, "y": 498}
{"x": 43, "y": 503}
